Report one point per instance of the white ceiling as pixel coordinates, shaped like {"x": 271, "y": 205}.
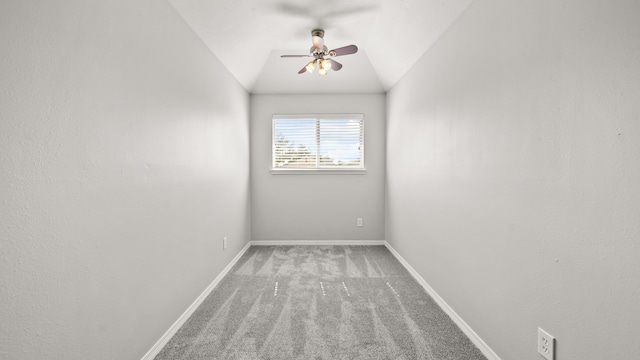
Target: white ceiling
{"x": 248, "y": 36}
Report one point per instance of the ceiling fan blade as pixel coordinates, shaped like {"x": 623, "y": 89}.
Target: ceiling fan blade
{"x": 303, "y": 70}
{"x": 294, "y": 10}
{"x": 345, "y": 50}
{"x": 335, "y": 65}
{"x": 294, "y": 56}
{"x": 352, "y": 11}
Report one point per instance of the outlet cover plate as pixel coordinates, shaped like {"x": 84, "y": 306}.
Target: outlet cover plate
{"x": 546, "y": 344}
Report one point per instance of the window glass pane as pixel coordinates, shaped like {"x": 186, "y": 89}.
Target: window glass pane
{"x": 295, "y": 143}
{"x": 340, "y": 143}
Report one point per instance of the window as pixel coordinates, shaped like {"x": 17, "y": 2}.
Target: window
{"x": 318, "y": 143}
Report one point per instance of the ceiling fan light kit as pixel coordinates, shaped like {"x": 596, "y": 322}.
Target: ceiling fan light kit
{"x": 319, "y": 51}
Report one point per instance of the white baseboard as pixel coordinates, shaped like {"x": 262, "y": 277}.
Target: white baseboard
{"x": 155, "y": 350}
{"x": 317, "y": 242}
{"x": 466, "y": 329}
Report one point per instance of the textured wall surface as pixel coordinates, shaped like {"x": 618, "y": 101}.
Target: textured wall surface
{"x": 513, "y": 162}
{"x": 317, "y": 207}
{"x": 124, "y": 159}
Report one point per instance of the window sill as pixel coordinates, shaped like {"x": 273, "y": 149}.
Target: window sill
{"x": 318, "y": 171}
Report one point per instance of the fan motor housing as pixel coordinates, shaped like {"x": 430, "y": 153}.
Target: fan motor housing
{"x": 315, "y": 51}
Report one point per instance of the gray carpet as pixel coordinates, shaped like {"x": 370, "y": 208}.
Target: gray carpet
{"x": 319, "y": 302}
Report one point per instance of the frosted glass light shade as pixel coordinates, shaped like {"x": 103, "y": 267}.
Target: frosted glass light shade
{"x": 311, "y": 65}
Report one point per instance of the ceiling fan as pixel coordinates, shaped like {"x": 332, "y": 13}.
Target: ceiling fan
{"x": 320, "y": 54}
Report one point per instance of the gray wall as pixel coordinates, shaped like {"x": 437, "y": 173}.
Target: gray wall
{"x": 317, "y": 207}
{"x": 513, "y": 152}
{"x": 124, "y": 160}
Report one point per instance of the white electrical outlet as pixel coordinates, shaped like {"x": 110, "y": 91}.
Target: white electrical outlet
{"x": 546, "y": 344}
{"x": 224, "y": 243}
{"x": 359, "y": 222}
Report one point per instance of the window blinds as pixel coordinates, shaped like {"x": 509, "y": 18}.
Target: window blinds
{"x": 318, "y": 142}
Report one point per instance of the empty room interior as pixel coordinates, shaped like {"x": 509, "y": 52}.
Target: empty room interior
{"x": 497, "y": 175}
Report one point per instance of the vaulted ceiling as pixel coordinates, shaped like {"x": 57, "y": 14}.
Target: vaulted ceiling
{"x": 248, "y": 36}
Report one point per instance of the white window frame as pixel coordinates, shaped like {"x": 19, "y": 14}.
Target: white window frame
{"x": 318, "y": 170}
